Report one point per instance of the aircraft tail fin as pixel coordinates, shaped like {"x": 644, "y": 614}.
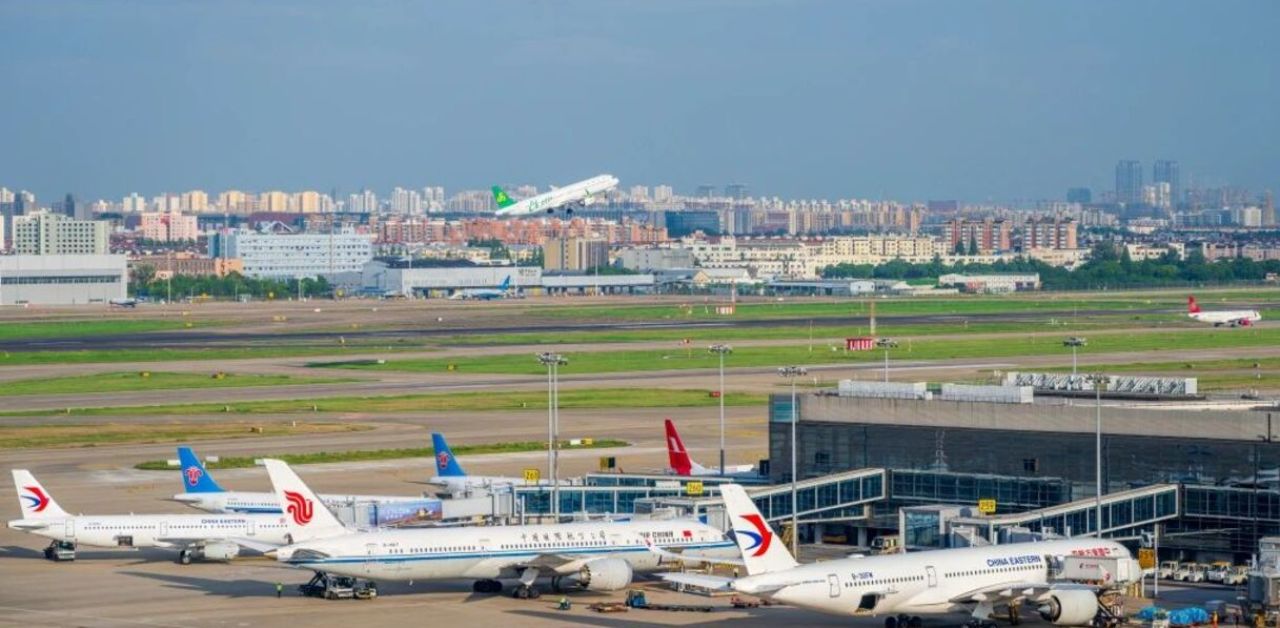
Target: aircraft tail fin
{"x": 307, "y": 517}
{"x": 36, "y": 502}
{"x": 677, "y": 455}
{"x": 1192, "y": 306}
{"x": 506, "y": 284}
{"x": 501, "y": 197}
{"x": 762, "y": 550}
{"x": 446, "y": 464}
{"x": 195, "y": 479}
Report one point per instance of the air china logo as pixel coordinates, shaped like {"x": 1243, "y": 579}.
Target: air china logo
{"x": 442, "y": 460}
{"x": 299, "y": 507}
{"x": 193, "y": 475}
{"x": 38, "y": 501}
{"x": 760, "y": 539}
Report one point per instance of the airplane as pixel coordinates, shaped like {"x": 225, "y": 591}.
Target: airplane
{"x": 123, "y": 302}
{"x": 202, "y": 492}
{"x": 207, "y": 537}
{"x": 906, "y": 586}
{"x": 485, "y": 294}
{"x": 579, "y": 194}
{"x": 450, "y": 479}
{"x": 589, "y": 556}
{"x": 1234, "y": 318}
{"x": 682, "y": 464}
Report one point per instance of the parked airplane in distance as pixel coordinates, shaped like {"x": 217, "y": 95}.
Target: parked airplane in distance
{"x": 682, "y": 464}
{"x": 485, "y": 294}
{"x": 574, "y": 195}
{"x": 202, "y": 492}
{"x": 592, "y": 556}
{"x": 1234, "y": 318}
{"x": 450, "y": 479}
{"x": 906, "y": 586}
{"x": 123, "y": 302}
{"x": 210, "y": 537}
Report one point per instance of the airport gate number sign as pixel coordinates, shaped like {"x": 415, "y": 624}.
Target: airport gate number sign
{"x": 693, "y": 488}
{"x": 531, "y": 476}
{"x": 987, "y": 506}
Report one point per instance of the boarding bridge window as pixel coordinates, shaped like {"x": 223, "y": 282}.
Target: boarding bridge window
{"x": 1031, "y": 465}
{"x": 600, "y": 501}
{"x": 872, "y": 487}
{"x": 827, "y": 496}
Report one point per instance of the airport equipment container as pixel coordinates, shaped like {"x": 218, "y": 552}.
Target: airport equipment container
{"x": 883, "y": 390}
{"x": 987, "y": 394}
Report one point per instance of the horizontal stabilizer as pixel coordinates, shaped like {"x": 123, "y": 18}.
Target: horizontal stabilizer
{"x": 713, "y": 583}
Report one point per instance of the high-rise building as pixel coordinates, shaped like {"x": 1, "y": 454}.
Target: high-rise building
{"x": 406, "y": 201}
{"x": 1050, "y": 233}
{"x": 986, "y": 236}
{"x": 195, "y": 201}
{"x": 1268, "y": 209}
{"x": 46, "y": 233}
{"x": 663, "y": 194}
{"x": 574, "y": 254}
{"x": 1167, "y": 171}
{"x": 234, "y": 202}
{"x": 133, "y": 204}
{"x": 24, "y": 202}
{"x": 1084, "y": 196}
{"x": 169, "y": 227}
{"x": 273, "y": 201}
{"x": 1129, "y": 182}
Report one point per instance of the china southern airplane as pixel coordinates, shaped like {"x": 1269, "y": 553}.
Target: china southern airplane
{"x": 578, "y": 195}
{"x": 905, "y": 586}
{"x": 591, "y": 556}
{"x": 450, "y": 479}
{"x": 485, "y": 294}
{"x": 207, "y": 537}
{"x": 1234, "y": 318}
{"x": 682, "y": 464}
{"x": 202, "y": 492}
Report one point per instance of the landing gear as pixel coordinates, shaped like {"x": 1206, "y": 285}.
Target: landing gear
{"x": 526, "y": 592}
{"x": 915, "y": 622}
{"x": 980, "y": 623}
{"x": 486, "y": 586}
{"x": 184, "y": 557}
{"x": 903, "y": 621}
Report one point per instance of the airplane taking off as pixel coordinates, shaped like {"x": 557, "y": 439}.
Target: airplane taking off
{"x": 591, "y": 556}
{"x": 682, "y": 464}
{"x": 210, "y": 537}
{"x": 906, "y": 586}
{"x": 1234, "y": 318}
{"x": 577, "y": 195}
{"x": 485, "y": 294}
{"x": 202, "y": 492}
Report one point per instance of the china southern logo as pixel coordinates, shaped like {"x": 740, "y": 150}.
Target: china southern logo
{"x": 38, "y": 500}
{"x": 193, "y": 475}
{"x": 299, "y": 507}
{"x": 760, "y": 539}
{"x": 442, "y": 460}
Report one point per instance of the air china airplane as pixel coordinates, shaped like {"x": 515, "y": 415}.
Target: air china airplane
{"x": 682, "y": 464}
{"x": 202, "y": 492}
{"x": 906, "y": 586}
{"x": 579, "y": 194}
{"x": 1234, "y": 318}
{"x": 210, "y": 537}
{"x": 591, "y": 556}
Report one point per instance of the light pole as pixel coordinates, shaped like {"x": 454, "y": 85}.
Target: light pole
{"x": 1099, "y": 381}
{"x": 1075, "y": 342}
{"x": 886, "y": 344}
{"x": 553, "y": 362}
{"x": 791, "y": 373}
{"x": 722, "y": 350}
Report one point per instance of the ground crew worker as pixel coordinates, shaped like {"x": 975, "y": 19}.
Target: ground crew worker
{"x": 279, "y": 589}
{"x": 564, "y": 603}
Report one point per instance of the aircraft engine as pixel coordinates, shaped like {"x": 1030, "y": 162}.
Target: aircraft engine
{"x": 605, "y": 574}
{"x": 1070, "y": 607}
{"x": 221, "y": 551}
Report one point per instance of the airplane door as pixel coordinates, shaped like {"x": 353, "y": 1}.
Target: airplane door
{"x": 370, "y": 549}
{"x": 70, "y": 531}
{"x": 932, "y": 575}
{"x": 834, "y": 581}
{"x": 164, "y": 529}
{"x": 251, "y": 527}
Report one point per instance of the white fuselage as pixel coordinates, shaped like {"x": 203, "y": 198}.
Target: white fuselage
{"x": 1229, "y": 317}
{"x": 492, "y": 552}
{"x": 245, "y": 502}
{"x": 170, "y": 531}
{"x": 733, "y": 471}
{"x": 919, "y": 583}
{"x": 582, "y": 192}
{"x": 458, "y": 484}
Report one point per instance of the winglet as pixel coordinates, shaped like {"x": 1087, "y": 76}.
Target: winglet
{"x": 195, "y": 479}
{"x": 446, "y": 464}
{"x": 501, "y": 197}
{"x": 307, "y": 517}
{"x": 762, "y": 550}
{"x": 677, "y": 455}
{"x": 36, "y": 502}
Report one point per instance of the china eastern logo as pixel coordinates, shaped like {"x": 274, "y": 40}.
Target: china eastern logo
{"x": 37, "y": 500}
{"x": 193, "y": 475}
{"x": 299, "y": 507}
{"x": 760, "y": 539}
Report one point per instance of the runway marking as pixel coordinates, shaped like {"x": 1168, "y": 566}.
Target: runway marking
{"x": 138, "y": 622}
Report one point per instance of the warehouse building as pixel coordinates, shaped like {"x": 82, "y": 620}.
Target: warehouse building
{"x": 61, "y": 279}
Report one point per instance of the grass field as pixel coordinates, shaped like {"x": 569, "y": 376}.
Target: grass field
{"x": 74, "y": 435}
{"x": 921, "y": 349}
{"x": 533, "y": 400}
{"x": 363, "y": 455}
{"x": 124, "y": 382}
{"x": 22, "y": 358}
{"x": 71, "y": 329}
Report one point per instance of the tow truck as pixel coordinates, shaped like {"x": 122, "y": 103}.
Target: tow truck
{"x": 338, "y": 588}
{"x": 60, "y": 551}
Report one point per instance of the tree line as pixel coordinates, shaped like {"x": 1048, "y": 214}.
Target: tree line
{"x": 143, "y": 283}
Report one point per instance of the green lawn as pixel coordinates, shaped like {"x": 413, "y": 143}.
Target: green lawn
{"x": 920, "y": 349}
{"x": 68, "y": 329}
{"x": 532, "y": 400}
{"x": 361, "y": 455}
{"x": 93, "y": 435}
{"x": 122, "y": 382}
{"x": 18, "y": 358}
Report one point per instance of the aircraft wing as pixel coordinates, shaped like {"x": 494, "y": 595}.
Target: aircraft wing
{"x": 1012, "y": 591}
{"x": 257, "y": 546}
{"x": 556, "y": 563}
{"x": 690, "y": 558}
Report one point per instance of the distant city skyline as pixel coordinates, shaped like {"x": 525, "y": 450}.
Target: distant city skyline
{"x": 908, "y": 101}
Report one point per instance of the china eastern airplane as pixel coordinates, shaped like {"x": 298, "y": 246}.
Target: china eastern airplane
{"x": 1234, "y": 318}
{"x": 210, "y": 537}
{"x": 202, "y": 492}
{"x": 591, "y": 556}
{"x": 682, "y": 464}
{"x": 578, "y": 195}
{"x": 904, "y": 587}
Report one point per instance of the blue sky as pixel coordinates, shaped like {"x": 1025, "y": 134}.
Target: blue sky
{"x": 904, "y": 99}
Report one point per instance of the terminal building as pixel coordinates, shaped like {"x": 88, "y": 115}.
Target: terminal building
{"x": 436, "y": 279}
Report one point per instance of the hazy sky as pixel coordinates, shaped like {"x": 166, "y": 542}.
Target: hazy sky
{"x": 884, "y": 99}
